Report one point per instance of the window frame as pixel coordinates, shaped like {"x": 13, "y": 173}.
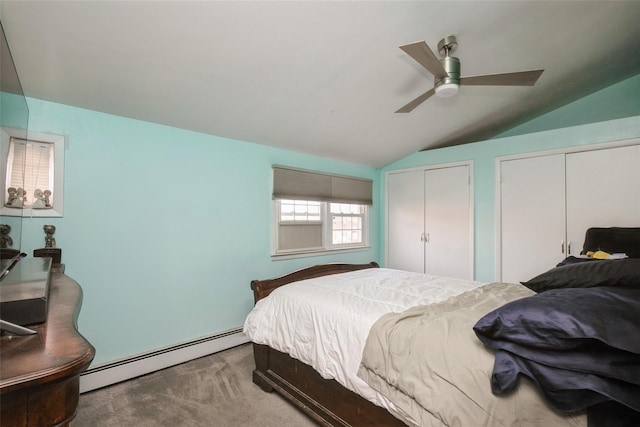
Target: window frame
{"x": 295, "y": 221}
{"x": 58, "y": 142}
{"x": 329, "y": 226}
{"x": 327, "y": 233}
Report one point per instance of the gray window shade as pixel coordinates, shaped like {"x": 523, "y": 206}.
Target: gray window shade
{"x": 299, "y": 236}
{"x": 292, "y": 184}
{"x": 310, "y": 185}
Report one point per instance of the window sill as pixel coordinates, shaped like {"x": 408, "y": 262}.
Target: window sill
{"x": 319, "y": 252}
{"x": 28, "y": 212}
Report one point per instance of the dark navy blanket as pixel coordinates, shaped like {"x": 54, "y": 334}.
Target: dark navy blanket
{"x": 580, "y": 346}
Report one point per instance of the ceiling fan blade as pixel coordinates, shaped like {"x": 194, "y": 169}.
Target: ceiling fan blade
{"x": 425, "y": 57}
{"x": 419, "y": 100}
{"x": 523, "y": 78}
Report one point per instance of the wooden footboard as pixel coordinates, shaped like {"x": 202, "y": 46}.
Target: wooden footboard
{"x": 326, "y": 401}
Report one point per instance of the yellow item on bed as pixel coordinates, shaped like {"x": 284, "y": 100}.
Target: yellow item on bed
{"x": 599, "y": 255}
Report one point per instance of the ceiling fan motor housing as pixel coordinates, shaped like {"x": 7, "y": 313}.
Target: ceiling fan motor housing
{"x": 448, "y": 86}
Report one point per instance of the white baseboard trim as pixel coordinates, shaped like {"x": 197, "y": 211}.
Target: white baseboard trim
{"x": 122, "y": 370}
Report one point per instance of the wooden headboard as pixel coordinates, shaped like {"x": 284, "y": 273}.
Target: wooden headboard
{"x": 262, "y": 288}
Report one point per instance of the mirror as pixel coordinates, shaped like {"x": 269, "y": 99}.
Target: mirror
{"x": 14, "y": 120}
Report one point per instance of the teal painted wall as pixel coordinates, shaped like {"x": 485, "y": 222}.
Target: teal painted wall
{"x": 165, "y": 228}
{"x": 483, "y": 155}
{"x": 615, "y": 102}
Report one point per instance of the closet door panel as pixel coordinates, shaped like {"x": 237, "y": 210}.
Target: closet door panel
{"x": 603, "y": 190}
{"x": 532, "y": 216}
{"x": 405, "y": 221}
{"x": 448, "y": 222}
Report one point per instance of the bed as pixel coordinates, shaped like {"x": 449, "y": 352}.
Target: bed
{"x": 342, "y": 378}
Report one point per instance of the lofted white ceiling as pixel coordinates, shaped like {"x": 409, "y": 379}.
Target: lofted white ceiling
{"x": 318, "y": 77}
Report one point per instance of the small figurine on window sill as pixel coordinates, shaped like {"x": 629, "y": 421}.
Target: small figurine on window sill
{"x": 38, "y": 197}
{"x": 22, "y": 197}
{"x": 47, "y": 198}
{"x": 16, "y": 197}
{"x": 12, "y": 196}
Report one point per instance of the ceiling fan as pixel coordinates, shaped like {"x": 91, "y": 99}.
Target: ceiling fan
{"x": 446, "y": 72}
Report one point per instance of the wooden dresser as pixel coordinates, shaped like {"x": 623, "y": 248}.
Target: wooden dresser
{"x": 40, "y": 374}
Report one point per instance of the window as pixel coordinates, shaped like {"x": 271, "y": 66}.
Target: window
{"x": 310, "y": 226}
{"x": 299, "y": 211}
{"x": 318, "y": 212}
{"x": 32, "y": 177}
{"x": 347, "y": 222}
{"x": 29, "y": 172}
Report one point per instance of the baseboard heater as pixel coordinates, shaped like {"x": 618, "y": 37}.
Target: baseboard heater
{"x": 132, "y": 367}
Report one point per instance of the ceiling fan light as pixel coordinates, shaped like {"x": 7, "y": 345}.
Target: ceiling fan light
{"x": 447, "y": 90}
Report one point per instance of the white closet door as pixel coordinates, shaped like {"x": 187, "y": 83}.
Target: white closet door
{"x": 448, "y": 222}
{"x": 532, "y": 196}
{"x": 603, "y": 190}
{"x": 405, "y": 221}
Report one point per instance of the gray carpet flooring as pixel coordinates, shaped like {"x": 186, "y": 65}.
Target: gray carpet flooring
{"x": 215, "y": 390}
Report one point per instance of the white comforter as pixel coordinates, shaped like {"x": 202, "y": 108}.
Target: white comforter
{"x": 324, "y": 322}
